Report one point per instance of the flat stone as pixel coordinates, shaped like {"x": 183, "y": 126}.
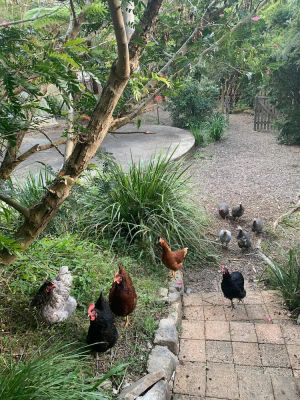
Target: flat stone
{"x": 285, "y": 388}
{"x": 269, "y": 333}
{"x": 278, "y": 313}
{"x": 194, "y": 313}
{"x": 255, "y": 387}
{"x": 160, "y": 391}
{"x": 161, "y": 358}
{"x": 237, "y": 314}
{"x": 278, "y": 371}
{"x": 214, "y": 313}
{"x": 187, "y": 397}
{"x": 133, "y": 391}
{"x": 242, "y": 332}
{"x": 257, "y": 312}
{"x": 274, "y": 355}
{"x": 174, "y": 297}
{"x": 246, "y": 353}
{"x": 249, "y": 369}
{"x": 167, "y": 335}
{"x": 296, "y": 373}
{"x": 192, "y": 350}
{"x": 219, "y": 351}
{"x": 221, "y": 381}
{"x": 253, "y": 297}
{"x": 192, "y": 330}
{"x": 217, "y": 330}
{"x": 193, "y": 299}
{"x": 176, "y": 313}
{"x": 291, "y": 334}
{"x": 190, "y": 378}
{"x": 294, "y": 354}
{"x": 213, "y": 299}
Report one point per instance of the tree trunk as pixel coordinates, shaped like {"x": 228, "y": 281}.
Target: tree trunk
{"x": 42, "y": 213}
{"x": 9, "y": 162}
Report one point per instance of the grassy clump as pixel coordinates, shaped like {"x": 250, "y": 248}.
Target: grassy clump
{"x": 285, "y": 276}
{"x": 51, "y": 373}
{"x": 142, "y": 204}
{"x": 215, "y": 126}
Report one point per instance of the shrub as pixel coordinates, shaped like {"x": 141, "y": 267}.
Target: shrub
{"x": 199, "y": 135}
{"x": 286, "y": 278}
{"x": 216, "y": 126}
{"x": 52, "y": 372}
{"x": 192, "y": 103}
{"x": 144, "y": 203}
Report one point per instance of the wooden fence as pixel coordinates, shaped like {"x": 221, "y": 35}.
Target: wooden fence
{"x": 265, "y": 114}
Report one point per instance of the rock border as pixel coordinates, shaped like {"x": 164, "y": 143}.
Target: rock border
{"x": 163, "y": 358}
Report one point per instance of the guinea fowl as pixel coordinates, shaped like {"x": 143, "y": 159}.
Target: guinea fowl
{"x": 257, "y": 225}
{"x": 243, "y": 238}
{"x": 232, "y": 285}
{"x": 102, "y": 333}
{"x": 223, "y": 210}
{"x": 225, "y": 237}
{"x": 53, "y": 299}
{"x": 237, "y": 212}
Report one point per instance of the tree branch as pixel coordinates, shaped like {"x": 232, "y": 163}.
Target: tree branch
{"x": 287, "y": 214}
{"x": 14, "y": 204}
{"x": 41, "y": 147}
{"x": 122, "y": 65}
{"x": 22, "y": 21}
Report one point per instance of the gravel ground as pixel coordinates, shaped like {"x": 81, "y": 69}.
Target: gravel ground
{"x": 248, "y": 167}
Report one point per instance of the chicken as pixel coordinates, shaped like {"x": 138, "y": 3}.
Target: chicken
{"x": 172, "y": 259}
{"x": 237, "y": 212}
{"x": 122, "y": 295}
{"x": 225, "y": 237}
{"x": 243, "y": 238}
{"x": 53, "y": 299}
{"x": 232, "y": 285}
{"x": 223, "y": 210}
{"x": 102, "y": 333}
{"x": 257, "y": 225}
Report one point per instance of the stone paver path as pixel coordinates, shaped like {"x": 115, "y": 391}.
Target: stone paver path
{"x": 249, "y": 353}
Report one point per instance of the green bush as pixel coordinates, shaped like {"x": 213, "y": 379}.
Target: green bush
{"x": 215, "y": 126}
{"x": 142, "y": 204}
{"x": 286, "y": 278}
{"x": 52, "y": 372}
{"x": 192, "y": 103}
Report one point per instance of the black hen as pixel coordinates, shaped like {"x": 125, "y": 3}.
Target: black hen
{"x": 102, "y": 334}
{"x": 232, "y": 285}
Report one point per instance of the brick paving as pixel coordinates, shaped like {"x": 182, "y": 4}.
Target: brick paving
{"x": 249, "y": 353}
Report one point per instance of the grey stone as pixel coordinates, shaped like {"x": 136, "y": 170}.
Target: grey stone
{"x": 176, "y": 313}
{"x": 188, "y": 291}
{"x": 163, "y": 292}
{"x": 140, "y": 386}
{"x": 298, "y": 320}
{"x": 160, "y": 391}
{"x": 167, "y": 335}
{"x": 161, "y": 358}
{"x": 173, "y": 297}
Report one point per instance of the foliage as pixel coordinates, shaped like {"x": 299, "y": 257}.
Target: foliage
{"x": 142, "y": 204}
{"x": 192, "y": 103}
{"x": 53, "y": 372}
{"x": 215, "y": 126}
{"x": 199, "y": 135}
{"x": 286, "y": 277}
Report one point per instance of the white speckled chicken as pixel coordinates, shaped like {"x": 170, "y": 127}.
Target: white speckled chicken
{"x": 225, "y": 237}
{"x": 53, "y": 299}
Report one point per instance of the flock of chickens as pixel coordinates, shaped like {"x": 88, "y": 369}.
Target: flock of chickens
{"x": 54, "y": 303}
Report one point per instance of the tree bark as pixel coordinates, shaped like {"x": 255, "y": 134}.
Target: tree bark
{"x": 43, "y": 212}
{"x": 8, "y": 163}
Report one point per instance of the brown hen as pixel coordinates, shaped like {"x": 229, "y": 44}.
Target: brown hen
{"x": 122, "y": 295}
{"x": 172, "y": 259}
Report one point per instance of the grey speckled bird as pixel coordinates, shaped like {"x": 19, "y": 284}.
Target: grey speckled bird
{"x": 237, "y": 212}
{"x": 225, "y": 237}
{"x": 223, "y": 210}
{"x": 257, "y": 225}
{"x": 243, "y": 238}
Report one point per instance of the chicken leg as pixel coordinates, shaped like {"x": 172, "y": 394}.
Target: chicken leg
{"x": 232, "y": 305}
{"x": 127, "y": 323}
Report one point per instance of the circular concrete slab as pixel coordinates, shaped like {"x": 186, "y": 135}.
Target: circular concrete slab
{"x": 142, "y": 146}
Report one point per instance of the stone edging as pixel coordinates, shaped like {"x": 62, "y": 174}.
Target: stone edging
{"x": 163, "y": 358}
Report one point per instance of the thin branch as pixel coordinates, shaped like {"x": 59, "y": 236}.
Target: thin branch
{"x": 53, "y": 143}
{"x": 123, "y": 68}
{"x": 14, "y": 204}
{"x": 22, "y": 21}
{"x": 73, "y": 10}
{"x": 41, "y": 147}
{"x": 287, "y": 214}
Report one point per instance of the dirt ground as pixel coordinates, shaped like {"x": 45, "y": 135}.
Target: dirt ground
{"x": 248, "y": 167}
